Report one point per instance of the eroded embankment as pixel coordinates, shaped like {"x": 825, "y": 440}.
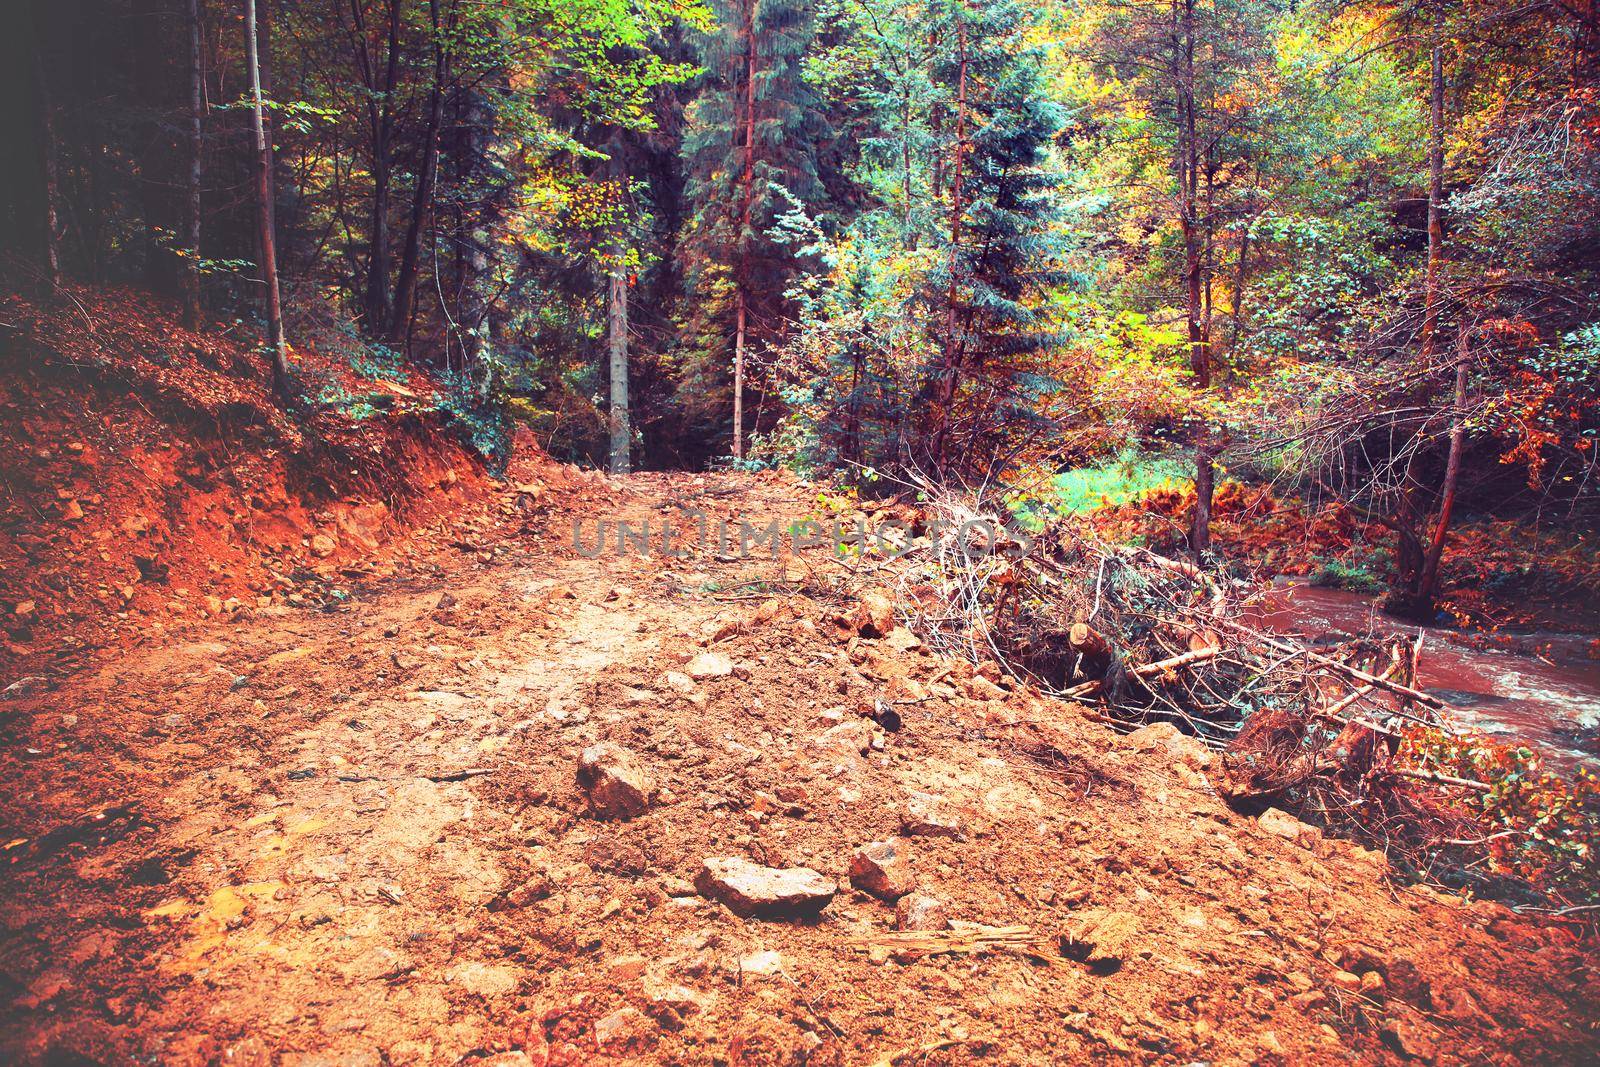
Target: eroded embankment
{"x": 150, "y": 477}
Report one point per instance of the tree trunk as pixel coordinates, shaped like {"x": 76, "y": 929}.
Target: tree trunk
{"x": 1208, "y": 246}
{"x": 1430, "y": 298}
{"x": 617, "y": 327}
{"x": 1427, "y": 592}
{"x": 405, "y": 288}
{"x": 747, "y": 181}
{"x": 476, "y": 233}
{"x": 952, "y": 343}
{"x": 1410, "y": 553}
{"x": 191, "y": 214}
{"x": 738, "y": 377}
{"x": 852, "y": 418}
{"x": 269, "y": 252}
{"x": 1240, "y": 279}
{"x": 48, "y": 173}
{"x": 1411, "y": 558}
{"x": 380, "y": 126}
{"x": 905, "y": 162}
{"x": 1193, "y": 269}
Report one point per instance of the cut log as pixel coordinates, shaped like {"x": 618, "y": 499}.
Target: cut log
{"x": 1441, "y": 779}
{"x": 1170, "y": 664}
{"x": 1331, "y": 713}
{"x": 1095, "y": 654}
{"x": 1086, "y": 641}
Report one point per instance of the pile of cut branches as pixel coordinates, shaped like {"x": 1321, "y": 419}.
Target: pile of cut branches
{"x": 1150, "y": 638}
{"x": 1313, "y": 725}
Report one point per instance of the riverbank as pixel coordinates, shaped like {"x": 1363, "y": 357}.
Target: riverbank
{"x": 1503, "y": 580}
{"x": 1541, "y": 689}
{"x": 1515, "y": 646}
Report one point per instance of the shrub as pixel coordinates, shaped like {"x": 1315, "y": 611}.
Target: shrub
{"x": 1538, "y": 825}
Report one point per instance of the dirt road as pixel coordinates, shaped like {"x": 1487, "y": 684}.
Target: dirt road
{"x": 356, "y": 836}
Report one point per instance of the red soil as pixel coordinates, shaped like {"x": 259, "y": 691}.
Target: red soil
{"x": 349, "y": 829}
{"x": 150, "y": 479}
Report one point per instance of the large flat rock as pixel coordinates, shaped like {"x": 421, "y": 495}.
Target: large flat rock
{"x": 767, "y": 892}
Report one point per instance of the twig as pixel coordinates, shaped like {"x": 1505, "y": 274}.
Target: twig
{"x": 1354, "y": 672}
{"x": 1440, "y": 779}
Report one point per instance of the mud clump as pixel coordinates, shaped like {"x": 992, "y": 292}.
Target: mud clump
{"x": 617, "y": 786}
{"x": 883, "y": 868}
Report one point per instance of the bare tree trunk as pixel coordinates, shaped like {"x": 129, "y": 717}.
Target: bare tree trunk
{"x": 1406, "y": 596}
{"x": 905, "y": 160}
{"x": 1428, "y": 582}
{"x": 617, "y": 327}
{"x": 380, "y": 127}
{"x": 1409, "y": 552}
{"x": 405, "y": 288}
{"x": 1208, "y": 247}
{"x": 1430, "y": 298}
{"x": 264, "y": 57}
{"x": 269, "y": 252}
{"x": 378, "y": 309}
{"x": 747, "y": 180}
{"x": 1193, "y": 269}
{"x": 477, "y": 232}
{"x": 738, "y": 377}
{"x": 1240, "y": 278}
{"x": 952, "y": 343}
{"x": 48, "y": 173}
{"x": 191, "y": 214}
{"x": 852, "y": 421}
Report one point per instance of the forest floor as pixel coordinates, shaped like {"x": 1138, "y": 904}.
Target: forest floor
{"x": 355, "y": 833}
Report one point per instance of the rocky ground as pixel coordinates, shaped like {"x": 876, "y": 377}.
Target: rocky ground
{"x": 513, "y": 805}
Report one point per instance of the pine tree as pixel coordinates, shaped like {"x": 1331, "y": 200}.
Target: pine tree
{"x": 751, "y": 158}
{"x": 1000, "y": 239}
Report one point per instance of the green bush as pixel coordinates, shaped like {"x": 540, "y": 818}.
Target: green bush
{"x": 1358, "y": 576}
{"x": 1127, "y": 477}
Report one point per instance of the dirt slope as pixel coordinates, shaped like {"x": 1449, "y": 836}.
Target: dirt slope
{"x": 356, "y": 836}
{"x": 148, "y": 476}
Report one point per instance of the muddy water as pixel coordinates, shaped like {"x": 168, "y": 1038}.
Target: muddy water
{"x": 1550, "y": 700}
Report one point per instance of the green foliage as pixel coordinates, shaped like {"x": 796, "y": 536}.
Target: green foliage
{"x": 1126, "y": 478}
{"x": 932, "y": 314}
{"x": 356, "y": 408}
{"x": 166, "y": 240}
{"x": 479, "y": 416}
{"x": 381, "y": 364}
{"x": 295, "y": 116}
{"x": 1539, "y": 826}
{"x": 1531, "y": 208}
{"x": 743, "y": 201}
{"x": 1363, "y": 569}
{"x": 1321, "y": 274}
{"x": 1037, "y": 319}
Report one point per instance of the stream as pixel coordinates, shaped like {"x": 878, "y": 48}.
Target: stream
{"x": 1550, "y": 701}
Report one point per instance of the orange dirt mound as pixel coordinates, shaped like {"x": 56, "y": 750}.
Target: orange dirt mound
{"x": 149, "y": 475}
